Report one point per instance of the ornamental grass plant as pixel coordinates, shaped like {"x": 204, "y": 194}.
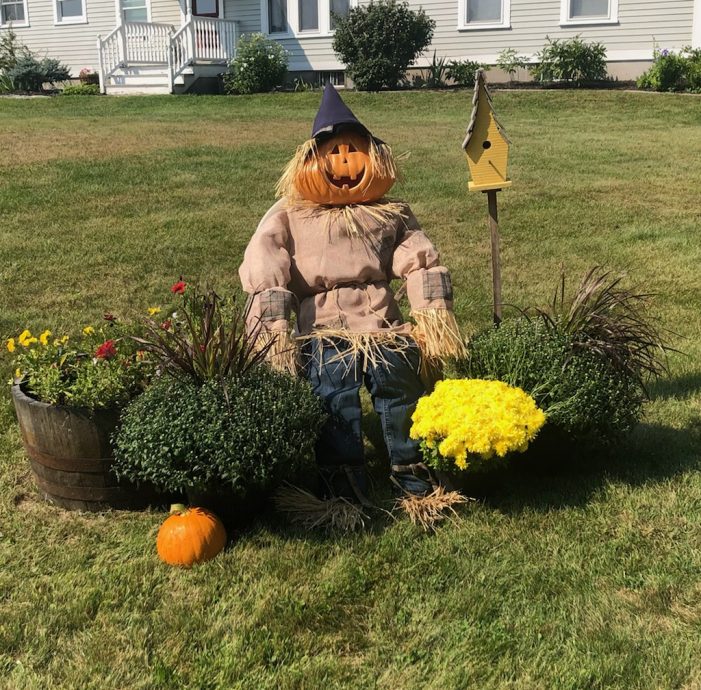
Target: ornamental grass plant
{"x": 217, "y": 417}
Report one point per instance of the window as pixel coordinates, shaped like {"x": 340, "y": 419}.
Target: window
{"x": 134, "y": 11}
{"x": 339, "y": 8}
{"x": 70, "y": 12}
{"x": 13, "y": 12}
{"x": 277, "y": 16}
{"x": 308, "y": 15}
{"x": 304, "y": 17}
{"x": 484, "y": 14}
{"x": 589, "y": 12}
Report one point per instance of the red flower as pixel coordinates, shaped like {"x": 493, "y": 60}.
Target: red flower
{"x": 106, "y": 351}
{"x": 109, "y": 317}
{"x": 166, "y": 325}
{"x": 178, "y": 288}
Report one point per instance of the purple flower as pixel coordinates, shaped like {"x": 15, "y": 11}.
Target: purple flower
{"x": 664, "y": 52}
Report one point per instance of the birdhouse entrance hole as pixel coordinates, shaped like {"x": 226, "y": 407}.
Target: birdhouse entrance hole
{"x": 486, "y": 144}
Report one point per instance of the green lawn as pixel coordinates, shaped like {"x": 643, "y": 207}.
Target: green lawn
{"x": 587, "y": 577}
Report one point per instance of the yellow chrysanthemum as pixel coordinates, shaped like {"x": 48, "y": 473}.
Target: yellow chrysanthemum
{"x": 11, "y": 345}
{"x": 88, "y": 330}
{"x": 44, "y": 337}
{"x": 18, "y": 373}
{"x": 152, "y": 311}
{"x": 474, "y": 417}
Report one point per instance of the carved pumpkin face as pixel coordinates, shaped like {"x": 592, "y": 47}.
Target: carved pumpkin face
{"x": 343, "y": 172}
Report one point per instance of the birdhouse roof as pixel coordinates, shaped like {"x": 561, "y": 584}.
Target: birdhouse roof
{"x": 481, "y": 82}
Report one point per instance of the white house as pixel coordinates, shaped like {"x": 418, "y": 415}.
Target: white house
{"x": 165, "y": 45}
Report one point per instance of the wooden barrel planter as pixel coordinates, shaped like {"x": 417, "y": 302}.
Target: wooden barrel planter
{"x": 71, "y": 456}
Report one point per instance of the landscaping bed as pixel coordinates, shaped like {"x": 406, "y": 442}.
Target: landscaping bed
{"x": 582, "y": 574}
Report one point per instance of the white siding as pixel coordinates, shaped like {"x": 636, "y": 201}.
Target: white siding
{"x": 640, "y": 23}
{"x": 76, "y": 44}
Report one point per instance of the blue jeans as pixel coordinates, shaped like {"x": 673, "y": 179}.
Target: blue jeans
{"x": 394, "y": 385}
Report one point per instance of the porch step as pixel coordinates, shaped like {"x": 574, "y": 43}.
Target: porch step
{"x": 137, "y": 89}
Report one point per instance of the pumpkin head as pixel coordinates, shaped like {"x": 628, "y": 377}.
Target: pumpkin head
{"x": 348, "y": 167}
{"x": 190, "y": 535}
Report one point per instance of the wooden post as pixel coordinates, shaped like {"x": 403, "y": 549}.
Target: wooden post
{"x": 496, "y": 266}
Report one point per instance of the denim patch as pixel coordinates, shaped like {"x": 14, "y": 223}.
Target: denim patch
{"x": 437, "y": 286}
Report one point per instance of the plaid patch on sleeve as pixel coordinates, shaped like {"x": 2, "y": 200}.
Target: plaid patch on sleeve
{"x": 275, "y": 305}
{"x": 437, "y": 286}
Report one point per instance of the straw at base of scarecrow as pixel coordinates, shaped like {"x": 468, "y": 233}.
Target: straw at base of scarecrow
{"x": 427, "y": 511}
{"x": 305, "y": 509}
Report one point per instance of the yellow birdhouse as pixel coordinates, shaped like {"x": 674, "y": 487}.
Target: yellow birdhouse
{"x": 486, "y": 144}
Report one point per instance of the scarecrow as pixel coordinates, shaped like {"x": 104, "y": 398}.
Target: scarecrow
{"x": 324, "y": 256}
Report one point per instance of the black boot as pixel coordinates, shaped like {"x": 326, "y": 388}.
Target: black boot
{"x": 344, "y": 481}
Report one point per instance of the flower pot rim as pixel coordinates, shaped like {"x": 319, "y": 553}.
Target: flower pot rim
{"x": 20, "y": 394}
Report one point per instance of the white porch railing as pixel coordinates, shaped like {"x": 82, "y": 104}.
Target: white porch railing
{"x": 199, "y": 40}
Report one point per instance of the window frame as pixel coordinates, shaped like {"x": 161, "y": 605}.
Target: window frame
{"x": 119, "y": 11}
{"x": 14, "y": 24}
{"x": 59, "y": 21}
{"x": 464, "y": 25}
{"x": 293, "y": 30}
{"x": 567, "y": 20}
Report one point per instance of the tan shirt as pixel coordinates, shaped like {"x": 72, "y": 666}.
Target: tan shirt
{"x": 307, "y": 260}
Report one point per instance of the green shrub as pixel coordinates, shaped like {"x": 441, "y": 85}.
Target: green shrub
{"x": 6, "y": 84}
{"x": 11, "y": 50}
{"x": 672, "y": 71}
{"x": 377, "y": 42}
{"x": 30, "y": 74}
{"x": 260, "y": 66}
{"x": 249, "y": 433}
{"x": 582, "y": 394}
{"x": 81, "y": 90}
{"x": 462, "y": 72}
{"x": 510, "y": 62}
{"x": 570, "y": 60}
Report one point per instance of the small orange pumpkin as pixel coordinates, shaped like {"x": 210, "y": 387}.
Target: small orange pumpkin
{"x": 190, "y": 535}
{"x": 343, "y": 171}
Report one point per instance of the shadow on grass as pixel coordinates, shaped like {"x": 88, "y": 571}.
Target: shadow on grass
{"x": 554, "y": 475}
{"x": 680, "y": 387}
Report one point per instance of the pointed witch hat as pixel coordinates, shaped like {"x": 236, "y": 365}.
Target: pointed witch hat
{"x": 333, "y": 113}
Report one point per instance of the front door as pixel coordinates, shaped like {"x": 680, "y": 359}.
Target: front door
{"x": 205, "y": 8}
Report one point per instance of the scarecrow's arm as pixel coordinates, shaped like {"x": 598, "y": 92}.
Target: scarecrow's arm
{"x": 265, "y": 275}
{"x": 429, "y": 290}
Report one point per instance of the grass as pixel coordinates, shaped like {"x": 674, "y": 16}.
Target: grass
{"x": 584, "y": 577}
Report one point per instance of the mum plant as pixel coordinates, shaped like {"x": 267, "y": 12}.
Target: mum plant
{"x": 101, "y": 368}
{"x": 217, "y": 416}
{"x": 470, "y": 420}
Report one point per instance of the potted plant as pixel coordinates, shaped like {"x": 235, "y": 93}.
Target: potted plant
{"x": 67, "y": 393}
{"x": 88, "y": 76}
{"x": 218, "y": 424}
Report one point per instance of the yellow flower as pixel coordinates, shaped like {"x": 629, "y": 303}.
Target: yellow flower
{"x": 44, "y": 337}
{"x": 465, "y": 418}
{"x": 11, "y": 345}
{"x": 152, "y": 311}
{"x": 18, "y": 373}
{"x": 88, "y": 330}
{"x": 25, "y": 337}
{"x": 64, "y": 340}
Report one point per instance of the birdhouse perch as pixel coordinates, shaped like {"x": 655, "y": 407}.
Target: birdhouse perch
{"x": 486, "y": 144}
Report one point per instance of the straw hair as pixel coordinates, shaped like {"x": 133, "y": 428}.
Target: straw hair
{"x": 437, "y": 334}
{"x": 281, "y": 351}
{"x": 305, "y": 509}
{"x": 367, "y": 348}
{"x": 427, "y": 511}
{"x": 383, "y": 162}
